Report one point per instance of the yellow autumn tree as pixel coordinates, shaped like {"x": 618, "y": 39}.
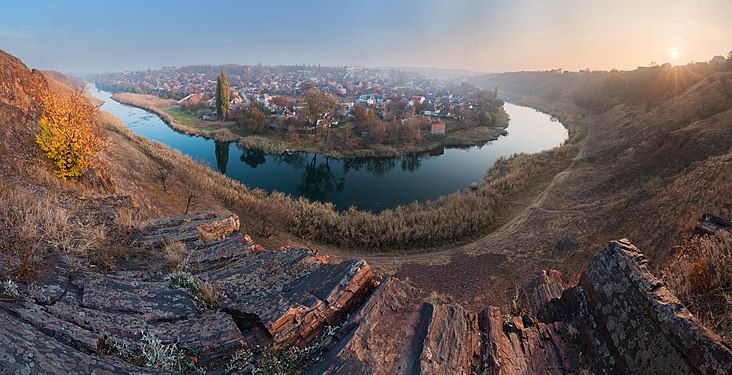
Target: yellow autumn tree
{"x": 67, "y": 137}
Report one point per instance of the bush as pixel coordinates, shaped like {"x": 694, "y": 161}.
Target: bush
{"x": 67, "y": 137}
{"x": 700, "y": 274}
{"x": 701, "y": 265}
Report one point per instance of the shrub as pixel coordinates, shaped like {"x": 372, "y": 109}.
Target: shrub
{"x": 67, "y": 137}
{"x": 700, "y": 265}
{"x": 700, "y": 274}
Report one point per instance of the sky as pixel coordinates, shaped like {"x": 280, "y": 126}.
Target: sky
{"x": 484, "y": 36}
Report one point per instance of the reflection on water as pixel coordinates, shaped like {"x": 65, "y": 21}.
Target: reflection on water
{"x": 318, "y": 180}
{"x": 222, "y": 155}
{"x": 367, "y": 183}
{"x": 253, "y": 158}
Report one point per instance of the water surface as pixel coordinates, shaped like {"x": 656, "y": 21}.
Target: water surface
{"x": 367, "y": 183}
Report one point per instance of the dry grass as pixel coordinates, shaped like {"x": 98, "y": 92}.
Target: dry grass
{"x": 456, "y": 217}
{"x": 174, "y": 254}
{"x": 31, "y": 222}
{"x": 700, "y": 274}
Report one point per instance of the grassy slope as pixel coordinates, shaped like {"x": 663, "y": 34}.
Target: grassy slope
{"x": 644, "y": 172}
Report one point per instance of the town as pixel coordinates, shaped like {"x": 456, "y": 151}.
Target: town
{"x": 359, "y": 107}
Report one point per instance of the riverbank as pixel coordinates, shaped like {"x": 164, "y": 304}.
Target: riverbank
{"x": 167, "y": 110}
{"x": 458, "y": 134}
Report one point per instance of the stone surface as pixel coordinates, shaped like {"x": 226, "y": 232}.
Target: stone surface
{"x": 710, "y": 224}
{"x": 291, "y": 293}
{"x": 618, "y": 319}
{"x": 27, "y": 350}
{"x": 452, "y": 341}
{"x": 284, "y": 298}
{"x": 194, "y": 230}
{"x": 522, "y": 345}
{"x": 533, "y": 295}
{"x": 151, "y": 300}
{"x": 218, "y": 253}
{"x": 382, "y": 337}
{"x": 643, "y": 323}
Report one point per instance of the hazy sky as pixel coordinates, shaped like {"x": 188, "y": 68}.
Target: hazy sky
{"x": 486, "y": 36}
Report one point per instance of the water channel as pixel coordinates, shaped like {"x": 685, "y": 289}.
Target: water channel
{"x": 367, "y": 183}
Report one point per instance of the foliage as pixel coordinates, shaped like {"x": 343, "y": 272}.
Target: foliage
{"x": 290, "y": 360}
{"x": 318, "y": 104}
{"x": 204, "y": 295}
{"x": 222, "y": 96}
{"x": 10, "y": 288}
{"x": 150, "y": 351}
{"x": 700, "y": 274}
{"x": 67, "y": 137}
{"x": 254, "y": 119}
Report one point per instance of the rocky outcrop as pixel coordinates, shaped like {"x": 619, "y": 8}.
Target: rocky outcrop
{"x": 617, "y": 319}
{"x": 256, "y": 299}
{"x": 710, "y": 224}
{"x": 644, "y": 325}
{"x": 194, "y": 230}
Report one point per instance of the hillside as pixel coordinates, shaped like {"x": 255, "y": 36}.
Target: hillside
{"x": 642, "y": 171}
{"x": 646, "y": 170}
{"x": 94, "y": 267}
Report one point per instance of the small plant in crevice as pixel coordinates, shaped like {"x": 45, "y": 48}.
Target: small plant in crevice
{"x": 9, "y": 288}
{"x": 150, "y": 351}
{"x": 290, "y": 360}
{"x": 184, "y": 280}
{"x": 239, "y": 361}
{"x": 204, "y": 295}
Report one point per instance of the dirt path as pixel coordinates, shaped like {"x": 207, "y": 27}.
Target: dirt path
{"x": 469, "y": 273}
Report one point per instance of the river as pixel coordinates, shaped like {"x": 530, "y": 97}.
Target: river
{"x": 367, "y": 183}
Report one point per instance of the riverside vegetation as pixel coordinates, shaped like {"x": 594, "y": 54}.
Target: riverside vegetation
{"x": 449, "y": 219}
{"x": 396, "y": 132}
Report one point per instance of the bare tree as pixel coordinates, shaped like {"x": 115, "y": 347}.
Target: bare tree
{"x": 318, "y": 104}
{"x": 161, "y": 174}
{"x": 191, "y": 192}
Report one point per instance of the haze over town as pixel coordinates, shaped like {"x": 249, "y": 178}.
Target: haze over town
{"x": 483, "y": 36}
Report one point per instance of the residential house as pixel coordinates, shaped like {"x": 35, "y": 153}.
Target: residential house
{"x": 437, "y": 128}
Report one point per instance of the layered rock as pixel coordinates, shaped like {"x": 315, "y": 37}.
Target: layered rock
{"x": 618, "y": 319}
{"x": 194, "y": 230}
{"x": 279, "y": 298}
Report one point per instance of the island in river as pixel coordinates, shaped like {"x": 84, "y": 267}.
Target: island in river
{"x": 382, "y": 138}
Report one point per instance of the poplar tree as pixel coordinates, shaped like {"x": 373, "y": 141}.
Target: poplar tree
{"x": 222, "y": 96}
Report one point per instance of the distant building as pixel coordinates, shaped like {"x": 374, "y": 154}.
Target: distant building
{"x": 718, "y": 60}
{"x": 369, "y": 99}
{"x": 437, "y": 128}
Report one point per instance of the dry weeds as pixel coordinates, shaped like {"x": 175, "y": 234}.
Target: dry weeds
{"x": 700, "y": 274}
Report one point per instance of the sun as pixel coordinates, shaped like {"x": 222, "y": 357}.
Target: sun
{"x": 674, "y": 53}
